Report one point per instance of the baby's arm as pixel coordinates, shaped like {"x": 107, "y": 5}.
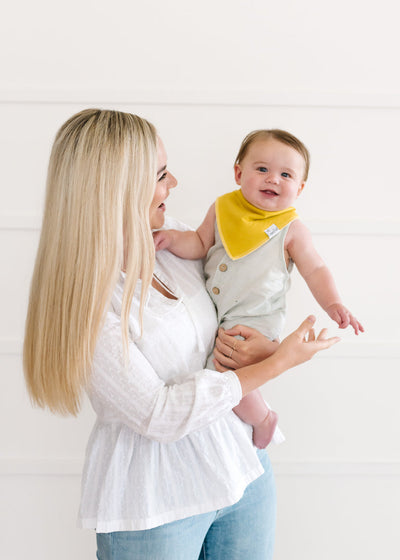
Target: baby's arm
{"x": 301, "y": 250}
{"x": 188, "y": 244}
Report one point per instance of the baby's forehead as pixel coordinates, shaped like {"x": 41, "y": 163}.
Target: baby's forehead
{"x": 272, "y": 149}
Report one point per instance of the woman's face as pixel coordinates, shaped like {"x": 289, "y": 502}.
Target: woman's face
{"x": 165, "y": 182}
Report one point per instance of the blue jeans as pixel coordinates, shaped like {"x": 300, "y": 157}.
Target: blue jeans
{"x": 238, "y": 532}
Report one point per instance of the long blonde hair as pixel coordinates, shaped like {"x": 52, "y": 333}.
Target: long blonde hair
{"x": 100, "y": 184}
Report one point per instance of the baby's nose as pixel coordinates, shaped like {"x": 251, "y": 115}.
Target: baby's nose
{"x": 272, "y": 178}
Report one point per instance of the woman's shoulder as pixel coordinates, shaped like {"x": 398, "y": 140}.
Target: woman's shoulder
{"x": 180, "y": 275}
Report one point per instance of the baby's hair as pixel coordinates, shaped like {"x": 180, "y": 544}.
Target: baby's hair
{"x": 280, "y": 135}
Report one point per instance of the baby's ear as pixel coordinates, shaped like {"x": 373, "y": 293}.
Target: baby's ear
{"x": 238, "y": 173}
{"x": 301, "y": 187}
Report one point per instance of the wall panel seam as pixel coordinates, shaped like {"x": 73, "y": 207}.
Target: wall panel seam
{"x": 375, "y": 228}
{"x": 379, "y": 349}
{"x": 215, "y": 96}
{"x": 371, "y": 349}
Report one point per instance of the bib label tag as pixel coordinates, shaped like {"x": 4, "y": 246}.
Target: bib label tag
{"x": 272, "y": 231}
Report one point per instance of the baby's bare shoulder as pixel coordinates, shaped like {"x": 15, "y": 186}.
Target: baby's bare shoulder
{"x": 297, "y": 231}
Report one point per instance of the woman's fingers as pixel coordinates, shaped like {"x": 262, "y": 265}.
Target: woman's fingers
{"x": 303, "y": 344}
{"x": 224, "y": 359}
{"x": 226, "y": 343}
{"x": 240, "y": 330}
{"x": 307, "y": 333}
{"x": 325, "y": 343}
{"x": 306, "y": 328}
{"x": 298, "y": 347}
{"x": 310, "y": 336}
{"x": 219, "y": 367}
{"x": 226, "y": 346}
{"x": 323, "y": 335}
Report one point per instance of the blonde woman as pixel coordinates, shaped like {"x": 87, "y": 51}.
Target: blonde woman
{"x": 170, "y": 470}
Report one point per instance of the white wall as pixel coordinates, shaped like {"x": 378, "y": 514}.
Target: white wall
{"x": 206, "y": 75}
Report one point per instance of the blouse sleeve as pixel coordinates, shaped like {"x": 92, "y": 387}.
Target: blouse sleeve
{"x": 136, "y": 396}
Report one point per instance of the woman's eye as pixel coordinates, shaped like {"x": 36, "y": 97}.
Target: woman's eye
{"x": 163, "y": 176}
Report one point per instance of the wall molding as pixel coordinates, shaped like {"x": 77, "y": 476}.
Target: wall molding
{"x": 369, "y": 349}
{"x": 214, "y": 96}
{"x": 25, "y": 466}
{"x": 340, "y": 227}
{"x": 10, "y": 347}
{"x": 336, "y": 468}
{"x": 21, "y": 223}
{"x": 360, "y": 227}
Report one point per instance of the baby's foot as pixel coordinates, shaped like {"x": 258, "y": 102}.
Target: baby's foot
{"x": 263, "y": 432}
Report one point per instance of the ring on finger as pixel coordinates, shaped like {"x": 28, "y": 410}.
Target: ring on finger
{"x": 232, "y": 349}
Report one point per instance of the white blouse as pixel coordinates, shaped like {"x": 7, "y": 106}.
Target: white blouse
{"x": 166, "y": 444}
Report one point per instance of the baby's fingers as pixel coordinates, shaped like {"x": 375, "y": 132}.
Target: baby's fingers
{"x": 356, "y": 325}
{"x": 343, "y": 319}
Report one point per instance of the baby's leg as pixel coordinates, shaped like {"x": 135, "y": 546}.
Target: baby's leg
{"x": 253, "y": 410}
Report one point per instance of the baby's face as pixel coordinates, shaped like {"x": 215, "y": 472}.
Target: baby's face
{"x": 271, "y": 175}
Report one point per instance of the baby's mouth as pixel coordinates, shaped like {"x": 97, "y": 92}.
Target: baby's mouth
{"x": 269, "y": 192}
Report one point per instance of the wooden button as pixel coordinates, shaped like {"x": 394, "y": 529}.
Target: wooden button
{"x": 223, "y": 267}
{"x": 215, "y": 290}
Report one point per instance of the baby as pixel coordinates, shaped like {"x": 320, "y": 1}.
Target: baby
{"x": 251, "y": 237}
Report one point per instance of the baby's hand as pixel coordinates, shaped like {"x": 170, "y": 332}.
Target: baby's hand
{"x": 343, "y": 317}
{"x": 162, "y": 239}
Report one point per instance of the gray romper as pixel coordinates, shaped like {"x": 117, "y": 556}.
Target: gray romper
{"x": 251, "y": 290}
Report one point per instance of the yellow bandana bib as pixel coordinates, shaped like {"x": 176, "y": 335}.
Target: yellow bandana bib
{"x": 243, "y": 227}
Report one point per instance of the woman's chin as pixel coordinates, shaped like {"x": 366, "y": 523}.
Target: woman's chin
{"x": 157, "y": 222}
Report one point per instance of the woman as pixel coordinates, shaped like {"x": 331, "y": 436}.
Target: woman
{"x": 170, "y": 471}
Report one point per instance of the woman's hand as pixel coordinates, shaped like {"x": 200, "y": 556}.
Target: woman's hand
{"x": 232, "y": 353}
{"x": 302, "y": 345}
{"x": 298, "y": 347}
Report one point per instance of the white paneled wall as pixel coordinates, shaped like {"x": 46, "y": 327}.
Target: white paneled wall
{"x": 205, "y": 79}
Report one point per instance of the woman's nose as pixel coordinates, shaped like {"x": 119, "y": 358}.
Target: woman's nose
{"x": 172, "y": 181}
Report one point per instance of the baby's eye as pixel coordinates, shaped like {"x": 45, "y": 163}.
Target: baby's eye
{"x": 286, "y": 175}
{"x": 262, "y": 169}
{"x": 163, "y": 176}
